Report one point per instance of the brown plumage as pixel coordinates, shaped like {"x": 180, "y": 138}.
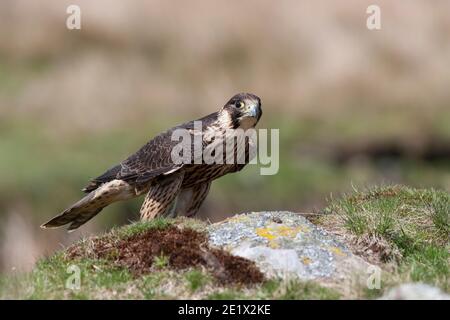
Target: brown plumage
{"x": 151, "y": 170}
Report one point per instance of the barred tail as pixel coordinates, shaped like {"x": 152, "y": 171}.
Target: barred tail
{"x": 78, "y": 214}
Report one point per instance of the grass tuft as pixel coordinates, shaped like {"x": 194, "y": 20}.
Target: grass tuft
{"x": 161, "y": 261}
{"x": 405, "y": 225}
{"x": 139, "y": 227}
{"x": 196, "y": 279}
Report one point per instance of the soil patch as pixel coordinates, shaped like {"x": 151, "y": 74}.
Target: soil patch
{"x": 179, "y": 248}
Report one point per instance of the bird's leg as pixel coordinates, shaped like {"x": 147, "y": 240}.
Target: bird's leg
{"x": 193, "y": 197}
{"x": 198, "y": 197}
{"x": 171, "y": 211}
{"x": 160, "y": 197}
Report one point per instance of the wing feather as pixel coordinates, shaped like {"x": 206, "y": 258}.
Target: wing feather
{"x": 151, "y": 160}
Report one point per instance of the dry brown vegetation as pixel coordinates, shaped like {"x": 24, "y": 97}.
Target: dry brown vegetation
{"x": 172, "y": 247}
{"x": 132, "y": 60}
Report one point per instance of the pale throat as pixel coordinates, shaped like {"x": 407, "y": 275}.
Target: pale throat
{"x": 247, "y": 123}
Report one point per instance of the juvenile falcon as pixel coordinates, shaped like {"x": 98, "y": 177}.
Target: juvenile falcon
{"x": 152, "y": 171}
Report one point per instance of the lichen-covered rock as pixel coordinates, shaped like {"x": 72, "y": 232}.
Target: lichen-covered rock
{"x": 285, "y": 244}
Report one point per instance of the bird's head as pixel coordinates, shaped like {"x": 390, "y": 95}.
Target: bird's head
{"x": 244, "y": 110}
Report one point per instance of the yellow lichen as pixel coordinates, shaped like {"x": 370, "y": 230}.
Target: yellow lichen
{"x": 274, "y": 244}
{"x": 273, "y": 233}
{"x": 265, "y": 233}
{"x": 286, "y": 231}
{"x": 337, "y": 251}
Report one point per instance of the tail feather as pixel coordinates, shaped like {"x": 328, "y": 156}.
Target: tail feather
{"x": 89, "y": 206}
{"x": 77, "y": 214}
{"x": 83, "y": 218}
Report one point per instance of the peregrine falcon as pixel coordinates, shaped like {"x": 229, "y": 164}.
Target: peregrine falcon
{"x": 152, "y": 171}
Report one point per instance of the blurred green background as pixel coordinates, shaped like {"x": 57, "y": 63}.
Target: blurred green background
{"x": 354, "y": 107}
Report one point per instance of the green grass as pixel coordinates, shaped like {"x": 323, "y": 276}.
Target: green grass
{"x": 227, "y": 294}
{"x": 53, "y": 278}
{"x": 196, "y": 279}
{"x": 295, "y": 290}
{"x": 161, "y": 262}
{"x": 280, "y": 290}
{"x": 411, "y": 227}
{"x": 140, "y": 227}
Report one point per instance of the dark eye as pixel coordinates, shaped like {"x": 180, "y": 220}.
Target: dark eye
{"x": 240, "y": 104}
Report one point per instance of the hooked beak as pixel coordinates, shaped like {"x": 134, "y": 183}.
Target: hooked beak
{"x": 255, "y": 111}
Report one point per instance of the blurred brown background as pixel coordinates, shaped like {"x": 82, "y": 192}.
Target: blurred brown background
{"x": 354, "y": 107}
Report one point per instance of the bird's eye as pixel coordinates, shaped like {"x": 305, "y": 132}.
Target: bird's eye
{"x": 240, "y": 104}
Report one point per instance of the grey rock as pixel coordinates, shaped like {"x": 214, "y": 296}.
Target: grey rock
{"x": 415, "y": 291}
{"x": 285, "y": 244}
